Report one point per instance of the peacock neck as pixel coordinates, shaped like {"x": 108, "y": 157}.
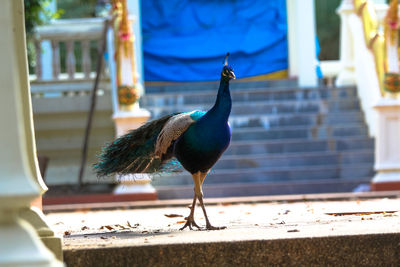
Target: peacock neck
{"x": 223, "y": 104}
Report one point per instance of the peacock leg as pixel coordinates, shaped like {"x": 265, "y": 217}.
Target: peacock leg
{"x": 190, "y": 219}
{"x": 200, "y": 197}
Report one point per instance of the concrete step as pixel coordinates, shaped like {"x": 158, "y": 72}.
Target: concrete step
{"x": 294, "y": 159}
{"x": 299, "y": 146}
{"x": 284, "y": 94}
{"x": 263, "y": 188}
{"x": 285, "y": 120}
{"x": 297, "y": 132}
{"x": 282, "y": 174}
{"x": 266, "y": 107}
{"x": 152, "y": 88}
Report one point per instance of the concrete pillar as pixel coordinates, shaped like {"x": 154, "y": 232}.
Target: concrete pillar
{"x": 346, "y": 75}
{"x": 20, "y": 180}
{"x": 387, "y": 146}
{"x": 305, "y": 34}
{"x": 291, "y": 36}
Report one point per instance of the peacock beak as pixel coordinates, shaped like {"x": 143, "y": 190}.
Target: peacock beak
{"x": 232, "y": 75}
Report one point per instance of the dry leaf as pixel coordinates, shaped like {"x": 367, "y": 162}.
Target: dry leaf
{"x": 108, "y": 227}
{"x": 84, "y": 228}
{"x": 67, "y": 233}
{"x": 293, "y": 231}
{"x": 180, "y": 222}
{"x": 103, "y": 237}
{"x": 172, "y": 215}
{"x": 121, "y": 226}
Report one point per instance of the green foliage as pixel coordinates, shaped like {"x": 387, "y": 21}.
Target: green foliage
{"x": 36, "y": 14}
{"x": 328, "y": 28}
{"x": 77, "y": 8}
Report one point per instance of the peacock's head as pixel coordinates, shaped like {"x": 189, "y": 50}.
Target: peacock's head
{"x": 227, "y": 70}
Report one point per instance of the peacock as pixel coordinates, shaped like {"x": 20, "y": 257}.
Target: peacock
{"x": 196, "y": 139}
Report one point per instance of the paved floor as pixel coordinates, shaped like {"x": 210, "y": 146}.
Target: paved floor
{"x": 258, "y": 221}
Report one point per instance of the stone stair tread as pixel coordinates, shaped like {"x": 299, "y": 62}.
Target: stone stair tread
{"x": 298, "y": 154}
{"x": 234, "y": 85}
{"x": 283, "y": 141}
{"x": 294, "y": 159}
{"x": 281, "y": 174}
{"x": 268, "y": 169}
{"x": 234, "y": 88}
{"x": 298, "y": 132}
{"x": 290, "y": 102}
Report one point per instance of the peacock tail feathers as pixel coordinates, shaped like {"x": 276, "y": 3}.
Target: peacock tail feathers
{"x": 133, "y": 152}
{"x": 147, "y": 149}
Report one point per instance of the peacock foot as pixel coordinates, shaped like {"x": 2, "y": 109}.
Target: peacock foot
{"x": 210, "y": 227}
{"x": 189, "y": 223}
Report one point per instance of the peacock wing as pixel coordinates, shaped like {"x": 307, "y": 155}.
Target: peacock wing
{"x": 173, "y": 129}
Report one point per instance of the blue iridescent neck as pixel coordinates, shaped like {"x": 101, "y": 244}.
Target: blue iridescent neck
{"x": 223, "y": 104}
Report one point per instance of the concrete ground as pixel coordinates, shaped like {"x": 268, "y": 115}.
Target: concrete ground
{"x": 279, "y": 233}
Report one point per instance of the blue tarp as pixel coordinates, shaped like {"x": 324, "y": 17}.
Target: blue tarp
{"x": 186, "y": 40}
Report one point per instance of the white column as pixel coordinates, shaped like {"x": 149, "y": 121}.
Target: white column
{"x": 304, "y": 17}
{"x": 346, "y": 75}
{"x": 19, "y": 242}
{"x": 291, "y": 36}
{"x": 387, "y": 146}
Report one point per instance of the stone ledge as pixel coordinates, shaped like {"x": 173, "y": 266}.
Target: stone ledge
{"x": 355, "y": 250}
{"x": 346, "y": 232}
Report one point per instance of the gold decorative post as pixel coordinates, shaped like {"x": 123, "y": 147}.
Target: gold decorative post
{"x": 128, "y": 94}
{"x": 387, "y": 142}
{"x": 127, "y": 113}
{"x": 391, "y": 82}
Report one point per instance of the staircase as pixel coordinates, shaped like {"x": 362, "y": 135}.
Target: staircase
{"x": 284, "y": 139}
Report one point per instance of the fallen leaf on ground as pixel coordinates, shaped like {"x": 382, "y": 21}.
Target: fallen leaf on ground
{"x": 180, "y": 222}
{"x": 129, "y": 225}
{"x": 103, "y": 237}
{"x": 108, "y": 227}
{"x": 67, "y": 233}
{"x": 293, "y": 231}
{"x": 172, "y": 215}
{"x": 84, "y": 228}
{"x": 121, "y": 226}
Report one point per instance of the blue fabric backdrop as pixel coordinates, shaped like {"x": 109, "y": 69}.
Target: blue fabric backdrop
{"x": 186, "y": 40}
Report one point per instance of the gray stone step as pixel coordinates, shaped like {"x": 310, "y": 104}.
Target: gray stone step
{"x": 283, "y": 120}
{"x": 213, "y": 86}
{"x": 294, "y": 159}
{"x": 253, "y": 147}
{"x": 297, "y": 132}
{"x": 282, "y": 174}
{"x": 198, "y": 98}
{"x": 263, "y": 188}
{"x": 267, "y": 107}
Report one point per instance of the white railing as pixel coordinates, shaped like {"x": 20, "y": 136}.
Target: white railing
{"x": 70, "y": 32}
